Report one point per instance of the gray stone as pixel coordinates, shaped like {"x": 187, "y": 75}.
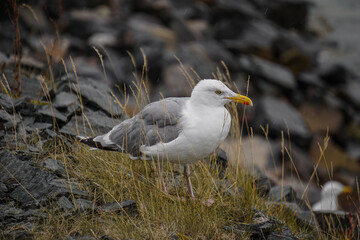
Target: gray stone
{"x": 3, "y": 190}
{"x": 260, "y": 228}
{"x": 37, "y": 186}
{"x": 6, "y": 102}
{"x": 119, "y": 206}
{"x": 38, "y": 127}
{"x": 10, "y": 214}
{"x": 33, "y": 149}
{"x": 304, "y": 216}
{"x": 263, "y": 186}
{"x": 227, "y": 188}
{"x": 65, "y": 99}
{"x": 334, "y": 74}
{"x": 351, "y": 92}
{"x": 83, "y": 205}
{"x": 272, "y": 72}
{"x": 280, "y": 194}
{"x": 79, "y": 125}
{"x": 285, "y": 234}
{"x": 24, "y": 106}
{"x": 4, "y": 116}
{"x": 65, "y": 187}
{"x": 290, "y": 14}
{"x": 65, "y": 204}
{"x": 95, "y": 95}
{"x": 78, "y": 236}
{"x": 48, "y": 114}
{"x": 17, "y": 235}
{"x": 219, "y": 162}
{"x": 55, "y": 165}
{"x": 3, "y": 187}
{"x": 281, "y": 116}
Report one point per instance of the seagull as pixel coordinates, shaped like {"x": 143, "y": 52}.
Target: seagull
{"x": 329, "y": 196}
{"x": 180, "y": 130}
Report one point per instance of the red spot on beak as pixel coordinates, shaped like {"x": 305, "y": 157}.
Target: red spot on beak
{"x": 246, "y": 103}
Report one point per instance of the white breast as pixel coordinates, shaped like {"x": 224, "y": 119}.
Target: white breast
{"x": 204, "y": 129}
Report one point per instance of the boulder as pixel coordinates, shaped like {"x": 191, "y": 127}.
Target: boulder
{"x": 271, "y": 72}
{"x": 282, "y": 194}
{"x": 88, "y": 124}
{"x": 55, "y": 166}
{"x": 281, "y": 116}
{"x": 32, "y": 186}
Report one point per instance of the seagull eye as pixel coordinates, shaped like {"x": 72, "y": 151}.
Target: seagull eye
{"x": 218, "y": 92}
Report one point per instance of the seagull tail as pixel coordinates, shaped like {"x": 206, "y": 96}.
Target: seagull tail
{"x": 94, "y": 144}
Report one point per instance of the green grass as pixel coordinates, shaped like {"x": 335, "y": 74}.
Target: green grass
{"x": 114, "y": 177}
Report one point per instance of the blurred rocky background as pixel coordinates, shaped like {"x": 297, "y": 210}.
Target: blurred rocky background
{"x": 301, "y": 56}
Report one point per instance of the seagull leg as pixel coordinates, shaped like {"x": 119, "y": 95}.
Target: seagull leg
{"x": 162, "y": 181}
{"x": 187, "y": 177}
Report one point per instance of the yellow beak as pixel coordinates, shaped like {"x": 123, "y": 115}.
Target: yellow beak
{"x": 347, "y": 190}
{"x": 241, "y": 99}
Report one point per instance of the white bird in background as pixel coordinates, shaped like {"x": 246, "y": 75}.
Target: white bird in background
{"x": 179, "y": 130}
{"x": 329, "y": 196}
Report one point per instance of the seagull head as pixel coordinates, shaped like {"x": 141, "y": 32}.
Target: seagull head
{"x": 333, "y": 189}
{"x": 215, "y": 93}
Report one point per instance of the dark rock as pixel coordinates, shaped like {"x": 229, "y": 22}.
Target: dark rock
{"x": 37, "y": 186}
{"x": 64, "y": 100}
{"x": 272, "y": 72}
{"x": 353, "y": 149}
{"x": 6, "y": 102}
{"x": 65, "y": 187}
{"x": 338, "y": 222}
{"x": 290, "y": 14}
{"x": 281, "y": 116}
{"x": 200, "y": 62}
{"x": 105, "y": 237}
{"x": 10, "y": 214}
{"x": 305, "y": 217}
{"x": 3, "y": 190}
{"x": 33, "y": 149}
{"x": 310, "y": 79}
{"x": 78, "y": 236}
{"x": 17, "y": 235}
{"x": 56, "y": 166}
{"x": 334, "y": 74}
{"x": 229, "y": 8}
{"x": 49, "y": 114}
{"x": 227, "y": 188}
{"x": 31, "y": 87}
{"x": 86, "y": 23}
{"x": 219, "y": 162}
{"x": 280, "y": 194}
{"x": 263, "y": 186}
{"x": 38, "y": 127}
{"x": 129, "y": 206}
{"x": 24, "y": 106}
{"x": 256, "y": 37}
{"x": 95, "y": 95}
{"x": 83, "y": 205}
{"x": 285, "y": 234}
{"x": 79, "y": 125}
{"x": 175, "y": 84}
{"x": 4, "y": 116}
{"x": 65, "y": 204}
{"x": 262, "y": 225}
{"x": 8, "y": 121}
{"x": 260, "y": 228}
{"x": 294, "y": 52}
{"x": 351, "y": 92}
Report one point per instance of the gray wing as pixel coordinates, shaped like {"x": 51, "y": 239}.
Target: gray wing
{"x": 157, "y": 122}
